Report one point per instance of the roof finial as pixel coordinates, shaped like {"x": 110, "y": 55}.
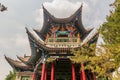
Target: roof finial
{"x": 43, "y": 6}
{"x": 81, "y": 4}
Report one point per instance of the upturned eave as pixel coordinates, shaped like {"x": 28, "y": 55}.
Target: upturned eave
{"x": 17, "y": 65}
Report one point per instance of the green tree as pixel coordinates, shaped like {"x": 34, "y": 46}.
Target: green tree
{"x": 111, "y": 33}
{"x": 111, "y": 29}
{"x": 109, "y": 60}
{"x": 101, "y": 65}
{"x": 11, "y": 75}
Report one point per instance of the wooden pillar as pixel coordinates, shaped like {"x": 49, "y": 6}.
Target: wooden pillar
{"x": 73, "y": 72}
{"x": 78, "y": 38}
{"x": 70, "y": 36}
{"x": 33, "y": 76}
{"x": 54, "y": 36}
{"x": 45, "y": 74}
{"x": 81, "y": 75}
{"x": 94, "y": 77}
{"x": 83, "y": 72}
{"x": 43, "y": 71}
{"x": 52, "y": 71}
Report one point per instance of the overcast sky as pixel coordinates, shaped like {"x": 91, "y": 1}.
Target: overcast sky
{"x": 28, "y": 13}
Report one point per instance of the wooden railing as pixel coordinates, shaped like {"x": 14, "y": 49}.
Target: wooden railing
{"x": 62, "y": 39}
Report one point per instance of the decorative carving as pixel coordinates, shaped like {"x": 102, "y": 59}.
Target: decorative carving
{"x": 54, "y": 28}
{"x": 62, "y": 28}
{"x": 70, "y": 28}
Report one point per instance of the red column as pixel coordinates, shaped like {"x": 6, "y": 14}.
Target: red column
{"x": 33, "y": 76}
{"x": 70, "y": 36}
{"x": 54, "y": 36}
{"x": 43, "y": 71}
{"x": 73, "y": 72}
{"x": 52, "y": 71}
{"x": 94, "y": 77}
{"x": 83, "y": 72}
{"x": 81, "y": 75}
{"x": 45, "y": 74}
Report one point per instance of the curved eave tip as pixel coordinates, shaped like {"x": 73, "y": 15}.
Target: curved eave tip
{"x": 20, "y": 59}
{"x": 43, "y": 6}
{"x": 82, "y": 4}
{"x": 26, "y": 29}
{"x": 6, "y": 57}
{"x": 18, "y": 56}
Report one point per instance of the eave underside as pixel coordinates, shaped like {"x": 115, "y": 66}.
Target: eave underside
{"x": 75, "y": 18}
{"x": 17, "y": 65}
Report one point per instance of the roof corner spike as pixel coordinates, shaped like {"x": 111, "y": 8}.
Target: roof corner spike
{"x": 43, "y": 6}
{"x": 81, "y": 4}
{"x": 8, "y": 59}
{"x": 17, "y": 56}
{"x": 5, "y": 56}
{"x": 26, "y": 29}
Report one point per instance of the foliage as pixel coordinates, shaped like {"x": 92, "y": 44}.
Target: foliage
{"x": 111, "y": 33}
{"x": 111, "y": 29}
{"x": 83, "y": 54}
{"x": 11, "y": 75}
{"x": 102, "y": 65}
{"x": 109, "y": 60}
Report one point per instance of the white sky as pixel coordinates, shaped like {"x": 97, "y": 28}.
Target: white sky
{"x": 28, "y": 13}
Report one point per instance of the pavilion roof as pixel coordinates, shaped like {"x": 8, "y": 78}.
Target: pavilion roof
{"x": 52, "y": 19}
{"x": 17, "y": 65}
{"x": 37, "y": 43}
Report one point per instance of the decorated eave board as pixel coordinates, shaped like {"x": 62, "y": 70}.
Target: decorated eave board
{"x": 56, "y": 38}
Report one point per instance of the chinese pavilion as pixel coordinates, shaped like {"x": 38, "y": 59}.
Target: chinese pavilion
{"x": 51, "y": 48}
